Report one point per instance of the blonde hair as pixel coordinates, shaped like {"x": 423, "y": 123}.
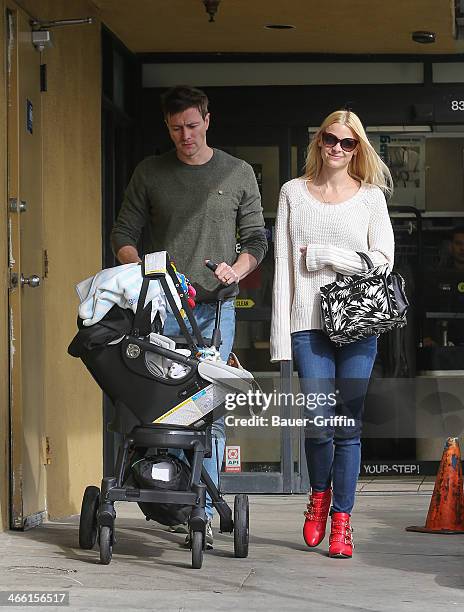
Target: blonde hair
{"x": 366, "y": 166}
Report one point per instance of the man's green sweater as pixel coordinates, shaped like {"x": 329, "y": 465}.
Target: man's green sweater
{"x": 193, "y": 212}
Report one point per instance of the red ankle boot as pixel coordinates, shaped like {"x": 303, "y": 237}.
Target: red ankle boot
{"x": 316, "y": 517}
{"x": 341, "y": 538}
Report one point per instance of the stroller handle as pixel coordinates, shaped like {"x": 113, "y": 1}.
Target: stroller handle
{"x": 225, "y": 292}
{"x": 211, "y": 265}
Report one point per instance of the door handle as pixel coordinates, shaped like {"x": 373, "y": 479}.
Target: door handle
{"x": 32, "y": 281}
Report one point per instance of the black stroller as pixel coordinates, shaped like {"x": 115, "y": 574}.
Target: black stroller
{"x": 156, "y": 412}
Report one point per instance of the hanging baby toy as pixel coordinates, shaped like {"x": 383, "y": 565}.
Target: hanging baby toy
{"x": 186, "y": 287}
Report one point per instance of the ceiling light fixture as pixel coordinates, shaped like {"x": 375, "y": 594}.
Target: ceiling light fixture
{"x": 279, "y": 26}
{"x": 211, "y": 7}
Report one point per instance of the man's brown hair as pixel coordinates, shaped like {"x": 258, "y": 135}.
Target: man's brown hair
{"x": 181, "y": 97}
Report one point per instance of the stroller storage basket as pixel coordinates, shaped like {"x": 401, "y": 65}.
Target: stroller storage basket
{"x": 177, "y": 480}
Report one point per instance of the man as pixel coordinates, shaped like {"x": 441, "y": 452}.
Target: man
{"x": 457, "y": 248}
{"x": 194, "y": 199}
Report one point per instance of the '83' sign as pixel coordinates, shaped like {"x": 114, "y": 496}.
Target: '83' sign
{"x": 457, "y": 105}
{"x": 449, "y": 108}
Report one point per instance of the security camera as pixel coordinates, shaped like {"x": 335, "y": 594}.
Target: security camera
{"x": 423, "y": 37}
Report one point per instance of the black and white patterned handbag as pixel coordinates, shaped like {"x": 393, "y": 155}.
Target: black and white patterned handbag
{"x": 363, "y": 305}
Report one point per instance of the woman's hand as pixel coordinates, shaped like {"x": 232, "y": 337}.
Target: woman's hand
{"x": 315, "y": 259}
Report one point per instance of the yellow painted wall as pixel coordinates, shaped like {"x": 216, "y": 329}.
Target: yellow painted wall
{"x": 72, "y": 230}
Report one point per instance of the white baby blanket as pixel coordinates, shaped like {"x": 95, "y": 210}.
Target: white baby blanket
{"x": 120, "y": 285}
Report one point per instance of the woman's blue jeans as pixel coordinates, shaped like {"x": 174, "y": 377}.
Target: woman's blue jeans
{"x": 335, "y": 378}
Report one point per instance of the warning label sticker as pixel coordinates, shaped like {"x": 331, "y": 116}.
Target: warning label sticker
{"x": 185, "y": 413}
{"x": 194, "y": 408}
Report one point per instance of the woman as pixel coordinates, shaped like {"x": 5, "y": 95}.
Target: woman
{"x": 336, "y": 209}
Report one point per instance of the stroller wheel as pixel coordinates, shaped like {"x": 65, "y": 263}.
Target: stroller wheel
{"x": 106, "y": 545}
{"x": 197, "y": 549}
{"x": 241, "y": 525}
{"x": 88, "y": 519}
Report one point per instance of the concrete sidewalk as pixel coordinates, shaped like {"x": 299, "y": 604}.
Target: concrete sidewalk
{"x": 391, "y": 570}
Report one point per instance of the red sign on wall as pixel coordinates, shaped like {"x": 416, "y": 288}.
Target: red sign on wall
{"x": 233, "y": 462}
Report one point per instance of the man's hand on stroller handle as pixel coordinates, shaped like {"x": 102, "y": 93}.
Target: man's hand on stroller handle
{"x": 223, "y": 272}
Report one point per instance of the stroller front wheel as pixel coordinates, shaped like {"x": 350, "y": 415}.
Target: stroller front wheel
{"x": 241, "y": 525}
{"x": 88, "y": 518}
{"x": 106, "y": 544}
{"x": 197, "y": 549}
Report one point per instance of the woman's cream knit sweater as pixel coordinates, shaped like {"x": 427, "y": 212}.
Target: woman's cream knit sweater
{"x": 332, "y": 234}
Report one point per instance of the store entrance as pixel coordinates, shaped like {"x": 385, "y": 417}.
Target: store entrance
{"x": 272, "y": 459}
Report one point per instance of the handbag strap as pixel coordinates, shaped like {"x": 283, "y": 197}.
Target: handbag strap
{"x": 363, "y": 256}
{"x": 367, "y": 259}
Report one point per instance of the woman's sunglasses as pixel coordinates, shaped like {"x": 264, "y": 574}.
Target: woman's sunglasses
{"x": 347, "y": 144}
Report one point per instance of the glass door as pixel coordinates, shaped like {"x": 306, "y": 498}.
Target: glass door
{"x": 260, "y": 455}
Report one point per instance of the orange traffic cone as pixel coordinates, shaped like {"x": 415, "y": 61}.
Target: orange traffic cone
{"x": 446, "y": 510}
